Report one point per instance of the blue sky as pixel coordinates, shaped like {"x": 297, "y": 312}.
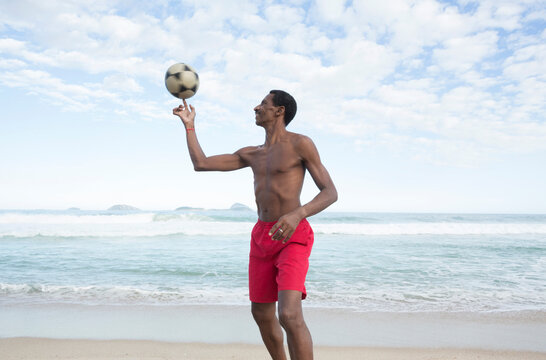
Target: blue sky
{"x": 414, "y": 105}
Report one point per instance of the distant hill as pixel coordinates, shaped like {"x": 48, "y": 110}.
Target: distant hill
{"x": 240, "y": 207}
{"x": 123, "y": 207}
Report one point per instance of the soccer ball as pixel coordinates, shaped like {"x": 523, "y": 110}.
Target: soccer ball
{"x": 182, "y": 81}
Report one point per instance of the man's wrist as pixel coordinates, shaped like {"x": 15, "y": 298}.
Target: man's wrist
{"x": 300, "y": 212}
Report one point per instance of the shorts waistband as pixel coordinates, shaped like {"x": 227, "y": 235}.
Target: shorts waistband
{"x": 271, "y": 223}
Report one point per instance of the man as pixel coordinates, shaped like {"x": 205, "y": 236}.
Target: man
{"x": 282, "y": 238}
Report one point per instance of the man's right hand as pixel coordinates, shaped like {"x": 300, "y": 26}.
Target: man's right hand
{"x": 186, "y": 114}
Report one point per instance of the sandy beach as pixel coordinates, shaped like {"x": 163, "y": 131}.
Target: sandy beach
{"x": 205, "y": 332}
{"x": 45, "y": 349}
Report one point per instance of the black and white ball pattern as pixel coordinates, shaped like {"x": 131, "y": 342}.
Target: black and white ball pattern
{"x": 182, "y": 81}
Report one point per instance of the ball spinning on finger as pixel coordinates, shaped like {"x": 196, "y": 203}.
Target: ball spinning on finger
{"x": 182, "y": 80}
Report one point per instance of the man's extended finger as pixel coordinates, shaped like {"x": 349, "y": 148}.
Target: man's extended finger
{"x": 274, "y": 228}
{"x": 278, "y": 235}
{"x": 287, "y": 237}
{"x": 282, "y": 232}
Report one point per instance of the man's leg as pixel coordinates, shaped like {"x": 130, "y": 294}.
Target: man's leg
{"x": 298, "y": 336}
{"x": 270, "y": 329}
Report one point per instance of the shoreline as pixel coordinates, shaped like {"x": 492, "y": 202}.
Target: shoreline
{"x": 224, "y": 324}
{"x": 49, "y": 349}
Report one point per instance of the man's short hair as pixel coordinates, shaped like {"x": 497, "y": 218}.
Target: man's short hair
{"x": 282, "y": 98}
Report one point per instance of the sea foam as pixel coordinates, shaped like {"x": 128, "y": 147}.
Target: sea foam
{"x": 230, "y": 223}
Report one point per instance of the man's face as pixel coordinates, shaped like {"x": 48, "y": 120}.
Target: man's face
{"x": 266, "y": 111}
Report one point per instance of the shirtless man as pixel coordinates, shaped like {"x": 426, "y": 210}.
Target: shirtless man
{"x": 282, "y": 238}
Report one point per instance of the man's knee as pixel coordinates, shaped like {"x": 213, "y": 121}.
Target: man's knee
{"x": 291, "y": 317}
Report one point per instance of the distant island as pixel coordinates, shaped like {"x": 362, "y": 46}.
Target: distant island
{"x": 188, "y": 208}
{"x": 240, "y": 207}
{"x": 123, "y": 207}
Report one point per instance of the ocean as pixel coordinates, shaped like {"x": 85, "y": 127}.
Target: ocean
{"x": 377, "y": 262}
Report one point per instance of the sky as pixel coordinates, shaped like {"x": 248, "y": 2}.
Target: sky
{"x": 414, "y": 105}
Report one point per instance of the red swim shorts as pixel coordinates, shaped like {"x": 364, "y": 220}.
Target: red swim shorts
{"x": 275, "y": 266}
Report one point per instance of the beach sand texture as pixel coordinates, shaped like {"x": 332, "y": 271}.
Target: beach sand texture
{"x": 46, "y": 349}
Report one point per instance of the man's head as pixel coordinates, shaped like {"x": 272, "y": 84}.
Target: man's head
{"x": 282, "y": 98}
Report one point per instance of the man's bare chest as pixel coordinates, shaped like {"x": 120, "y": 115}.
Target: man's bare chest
{"x": 275, "y": 160}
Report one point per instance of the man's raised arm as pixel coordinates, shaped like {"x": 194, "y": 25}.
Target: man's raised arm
{"x": 201, "y": 162}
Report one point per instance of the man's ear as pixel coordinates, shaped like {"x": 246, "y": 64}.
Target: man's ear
{"x": 280, "y": 110}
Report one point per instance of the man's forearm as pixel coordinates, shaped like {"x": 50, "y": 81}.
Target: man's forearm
{"x": 197, "y": 155}
{"x": 324, "y": 198}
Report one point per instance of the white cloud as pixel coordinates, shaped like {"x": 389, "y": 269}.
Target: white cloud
{"x": 408, "y": 26}
{"x": 529, "y": 61}
{"x": 11, "y": 63}
{"x": 331, "y": 10}
{"x": 282, "y": 18}
{"x": 122, "y": 83}
{"x": 11, "y": 46}
{"x": 504, "y": 14}
{"x": 461, "y": 54}
{"x": 71, "y": 97}
{"x": 418, "y": 73}
{"x": 407, "y": 94}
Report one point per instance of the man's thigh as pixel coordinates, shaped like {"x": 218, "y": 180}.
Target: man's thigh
{"x": 263, "y": 311}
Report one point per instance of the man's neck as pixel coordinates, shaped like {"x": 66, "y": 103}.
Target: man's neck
{"x": 274, "y": 133}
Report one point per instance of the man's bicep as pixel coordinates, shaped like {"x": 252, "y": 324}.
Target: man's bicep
{"x": 320, "y": 175}
{"x": 225, "y": 162}
{"x": 313, "y": 163}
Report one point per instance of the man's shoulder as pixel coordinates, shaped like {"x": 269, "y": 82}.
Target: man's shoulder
{"x": 248, "y": 149}
{"x": 300, "y": 140}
